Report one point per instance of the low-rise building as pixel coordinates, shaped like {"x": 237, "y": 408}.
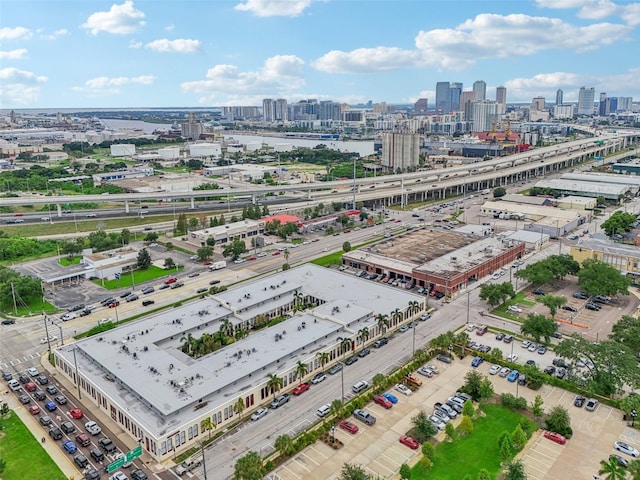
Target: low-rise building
{"x": 625, "y": 258}
{"x": 611, "y": 192}
{"x": 224, "y": 233}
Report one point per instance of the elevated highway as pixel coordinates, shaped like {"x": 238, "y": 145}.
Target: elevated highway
{"x": 391, "y": 189}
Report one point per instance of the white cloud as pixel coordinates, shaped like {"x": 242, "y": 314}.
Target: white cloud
{"x": 597, "y": 9}
{"x": 502, "y": 36}
{"x": 7, "y": 33}
{"x": 134, "y": 44}
{"x": 102, "y": 86}
{"x": 364, "y": 60}
{"x": 19, "y": 87}
{"x": 180, "y": 45}
{"x": 274, "y": 8}
{"x": 120, "y": 20}
{"x": 13, "y": 54}
{"x": 280, "y": 75}
{"x": 57, "y": 34}
{"x": 631, "y": 14}
{"x": 169, "y": 28}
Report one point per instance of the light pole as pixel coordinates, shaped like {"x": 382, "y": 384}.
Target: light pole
{"x": 204, "y": 463}
{"x": 342, "y": 380}
{"x": 468, "y": 304}
{"x": 413, "y": 351}
{"x": 46, "y": 332}
{"x": 75, "y": 362}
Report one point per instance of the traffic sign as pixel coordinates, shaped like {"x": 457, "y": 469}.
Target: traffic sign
{"x": 115, "y": 465}
{"x": 135, "y": 453}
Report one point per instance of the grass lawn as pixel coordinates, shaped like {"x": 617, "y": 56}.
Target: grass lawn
{"x": 34, "y": 307}
{"x": 479, "y": 449}
{"x": 65, "y": 262}
{"x": 24, "y": 455}
{"x": 519, "y": 300}
{"x": 139, "y": 276}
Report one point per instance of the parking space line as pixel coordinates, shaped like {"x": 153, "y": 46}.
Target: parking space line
{"x": 318, "y": 451}
{"x": 300, "y": 462}
{"x": 381, "y": 465}
{"x": 291, "y": 471}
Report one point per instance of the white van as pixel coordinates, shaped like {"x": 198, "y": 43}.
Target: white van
{"x": 324, "y": 410}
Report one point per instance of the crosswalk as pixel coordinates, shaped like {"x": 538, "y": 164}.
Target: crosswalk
{"x": 14, "y": 363}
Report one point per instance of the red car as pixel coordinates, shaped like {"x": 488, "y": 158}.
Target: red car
{"x": 409, "y": 442}
{"x": 275, "y": 253}
{"x": 252, "y": 258}
{"x": 383, "y": 402}
{"x": 30, "y": 386}
{"x": 303, "y": 387}
{"x": 34, "y": 409}
{"x": 114, "y": 304}
{"x": 555, "y": 437}
{"x": 76, "y": 413}
{"x": 348, "y": 426}
{"x": 171, "y": 280}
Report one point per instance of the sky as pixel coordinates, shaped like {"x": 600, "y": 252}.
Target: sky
{"x": 207, "y": 53}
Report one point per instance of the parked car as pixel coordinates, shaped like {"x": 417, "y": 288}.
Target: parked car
{"x": 504, "y": 372}
{"x": 382, "y": 401}
{"x": 477, "y": 361}
{"x": 514, "y": 308}
{"x": 409, "y": 442}
{"x": 494, "y": 369}
{"x": 364, "y": 352}
{"x": 626, "y": 448}
{"x": 444, "y": 358}
{"x": 319, "y": 377}
{"x": 280, "y": 400}
{"x": 258, "y": 414}
{"x": 403, "y": 389}
{"x": 538, "y": 291}
{"x": 380, "y": 342}
{"x": 555, "y": 437}
{"x": 348, "y": 426}
{"x": 569, "y": 308}
{"x": 622, "y": 462}
{"x": 364, "y": 416}
{"x": 579, "y": 401}
{"x": 512, "y": 357}
{"x": 580, "y": 295}
{"x": 591, "y": 405}
{"x": 425, "y": 371}
{"x": 69, "y": 446}
{"x": 335, "y": 369}
{"x": 300, "y": 389}
{"x": 592, "y": 306}
{"x": 513, "y": 375}
{"x": 391, "y": 397}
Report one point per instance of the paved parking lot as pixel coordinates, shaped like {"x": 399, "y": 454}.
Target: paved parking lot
{"x": 378, "y": 451}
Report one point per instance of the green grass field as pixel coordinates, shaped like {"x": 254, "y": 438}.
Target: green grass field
{"x": 23, "y": 454}
{"x": 519, "y": 300}
{"x": 34, "y": 307}
{"x": 479, "y": 449}
{"x": 65, "y": 262}
{"x": 139, "y": 276}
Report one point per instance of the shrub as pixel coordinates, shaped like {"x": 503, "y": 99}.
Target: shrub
{"x": 425, "y": 464}
{"x": 427, "y": 449}
{"x": 508, "y": 400}
{"x": 466, "y": 425}
{"x": 405, "y": 471}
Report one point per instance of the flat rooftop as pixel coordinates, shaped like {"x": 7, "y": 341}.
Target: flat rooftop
{"x": 603, "y": 178}
{"x": 584, "y": 186}
{"x": 535, "y": 210}
{"x": 609, "y": 246}
{"x": 142, "y": 368}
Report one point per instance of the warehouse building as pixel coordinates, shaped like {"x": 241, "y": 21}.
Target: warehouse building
{"x": 145, "y": 376}
{"x": 611, "y": 192}
{"x": 633, "y": 182}
{"x": 625, "y": 258}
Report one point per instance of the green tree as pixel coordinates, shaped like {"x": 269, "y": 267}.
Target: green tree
{"x": 598, "y": 278}
{"x": 323, "y": 358}
{"x": 515, "y": 471}
{"x": 506, "y": 446}
{"x": 181, "y": 224}
{"x": 423, "y": 427}
{"x": 274, "y": 383}
{"x": 249, "y": 467}
{"x": 497, "y": 293}
{"x": 379, "y": 379}
{"x": 611, "y": 470}
{"x": 558, "y": 420}
{"x": 450, "y": 430}
{"x": 486, "y": 389}
{"x": 405, "y": 471}
{"x": 125, "y": 236}
{"x": 472, "y": 382}
{"x": 553, "y": 302}
{"x": 193, "y": 223}
{"x": 618, "y": 223}
{"x": 346, "y": 247}
{"x": 207, "y": 425}
{"x": 538, "y": 326}
{"x": 353, "y": 472}
{"x": 634, "y": 469}
{"x": 301, "y": 370}
{"x": 499, "y": 192}
{"x": 382, "y": 322}
{"x": 204, "y": 253}
{"x": 627, "y": 332}
{"x": 151, "y": 237}
{"x": 337, "y": 407}
{"x": 427, "y": 449}
{"x": 483, "y": 474}
{"x": 466, "y": 425}
{"x": 284, "y": 445}
{"x": 70, "y": 248}
{"x": 169, "y": 263}
{"x": 239, "y": 407}
{"x": 468, "y": 409}
{"x": 536, "y": 407}
{"x": 519, "y": 438}
{"x": 234, "y": 249}
{"x": 144, "y": 259}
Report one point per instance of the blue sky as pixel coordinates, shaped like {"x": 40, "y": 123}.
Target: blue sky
{"x": 162, "y": 53}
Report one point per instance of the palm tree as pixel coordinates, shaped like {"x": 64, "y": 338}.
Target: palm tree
{"x": 634, "y": 469}
{"x": 241, "y": 332}
{"x": 611, "y": 470}
{"x": 396, "y": 316}
{"x": 414, "y": 307}
{"x": 298, "y": 299}
{"x": 274, "y": 383}
{"x": 383, "y": 322}
{"x": 207, "y": 424}
{"x": 239, "y": 407}
{"x": 284, "y": 445}
{"x": 286, "y": 255}
{"x": 301, "y": 370}
{"x": 379, "y": 379}
{"x": 345, "y": 345}
{"x": 420, "y": 356}
{"x": 363, "y": 335}
{"x": 324, "y": 359}
{"x": 226, "y": 327}
{"x": 336, "y": 408}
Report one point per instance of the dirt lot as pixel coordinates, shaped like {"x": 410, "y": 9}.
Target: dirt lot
{"x": 594, "y": 325}
{"x": 378, "y": 451}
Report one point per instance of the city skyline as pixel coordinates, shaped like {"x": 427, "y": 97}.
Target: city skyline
{"x": 139, "y": 54}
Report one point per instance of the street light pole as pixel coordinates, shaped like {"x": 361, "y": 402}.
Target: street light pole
{"x": 46, "y": 332}
{"x": 204, "y": 463}
{"x": 342, "y": 380}
{"x": 75, "y": 362}
{"x": 413, "y": 352}
{"x": 468, "y": 304}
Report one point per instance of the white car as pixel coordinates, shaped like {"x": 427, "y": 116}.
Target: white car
{"x": 439, "y": 424}
{"x": 425, "y": 371}
{"x": 504, "y": 372}
{"x": 626, "y": 448}
{"x": 68, "y": 316}
{"x": 512, "y": 358}
{"x": 403, "y": 389}
{"x": 52, "y": 338}
{"x": 471, "y": 327}
{"x": 494, "y": 369}
{"x": 495, "y": 276}
{"x": 118, "y": 476}
{"x": 533, "y": 347}
{"x": 514, "y": 308}
{"x": 93, "y": 428}
{"x": 433, "y": 368}
{"x": 262, "y": 254}
{"x": 320, "y": 377}
{"x": 525, "y": 343}
{"x": 258, "y": 414}
{"x": 33, "y": 371}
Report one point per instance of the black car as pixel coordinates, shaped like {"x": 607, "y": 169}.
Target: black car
{"x": 55, "y": 433}
{"x": 550, "y": 370}
{"x": 107, "y": 445}
{"x": 538, "y": 291}
{"x": 351, "y": 360}
{"x": 39, "y": 395}
{"x": 80, "y": 460}
{"x": 622, "y": 462}
{"x": 146, "y": 303}
{"x": 97, "y": 454}
{"x": 580, "y": 295}
{"x": 579, "y": 401}
{"x": 601, "y": 299}
{"x": 67, "y": 427}
{"x": 380, "y": 342}
{"x": 592, "y": 306}
{"x": 569, "y": 308}
{"x": 499, "y": 336}
{"x": 7, "y": 376}
{"x": 42, "y": 380}
{"x": 214, "y": 282}
{"x": 75, "y": 308}
{"x": 138, "y": 475}
{"x": 23, "y": 378}
{"x": 51, "y": 390}
{"x": 126, "y": 294}
{"x": 508, "y": 339}
{"x": 364, "y": 352}
{"x": 8, "y": 321}
{"x": 92, "y": 475}
{"x": 107, "y": 301}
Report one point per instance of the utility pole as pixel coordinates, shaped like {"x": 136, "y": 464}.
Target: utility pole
{"x": 204, "y": 463}
{"x": 13, "y": 294}
{"x": 75, "y": 362}
{"x": 46, "y": 331}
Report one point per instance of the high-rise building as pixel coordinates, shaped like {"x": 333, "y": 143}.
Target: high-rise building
{"x": 420, "y": 107}
{"x": 191, "y": 129}
{"x": 486, "y": 113}
{"x": 281, "y": 112}
{"x": 586, "y": 98}
{"x": 453, "y": 97}
{"x": 268, "y": 109}
{"x": 400, "y": 151}
{"x": 480, "y": 89}
{"x": 329, "y": 110}
{"x": 466, "y": 104}
{"x": 624, "y": 104}
{"x": 603, "y": 105}
{"x": 559, "y": 96}
{"x": 537, "y": 103}
{"x": 442, "y": 92}
{"x": 501, "y": 95}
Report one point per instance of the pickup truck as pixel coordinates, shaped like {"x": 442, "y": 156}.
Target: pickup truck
{"x": 187, "y": 466}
